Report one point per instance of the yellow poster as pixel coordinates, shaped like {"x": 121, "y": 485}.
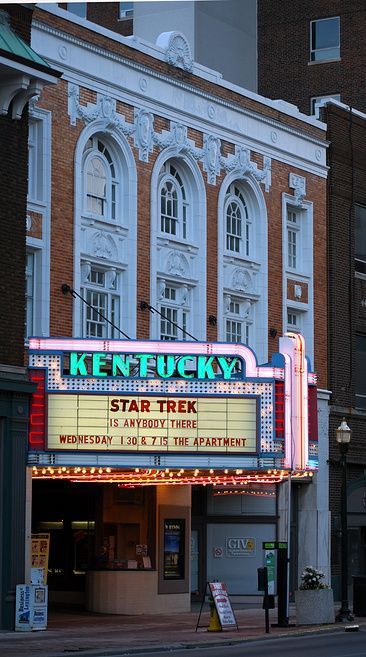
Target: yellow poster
{"x": 40, "y": 556}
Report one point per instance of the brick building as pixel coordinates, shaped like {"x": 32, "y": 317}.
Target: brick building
{"x": 167, "y": 204}
{"x": 319, "y": 52}
{"x": 23, "y": 74}
{"x": 347, "y": 328}
{"x": 312, "y": 53}
{"x": 116, "y": 16}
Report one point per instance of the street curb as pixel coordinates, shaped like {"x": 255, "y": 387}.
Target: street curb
{"x": 119, "y": 652}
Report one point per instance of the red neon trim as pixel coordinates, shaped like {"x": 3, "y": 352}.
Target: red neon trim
{"x": 37, "y": 412}
{"x": 313, "y": 413}
{"x": 279, "y": 409}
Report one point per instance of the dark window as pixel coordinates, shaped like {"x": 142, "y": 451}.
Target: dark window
{"x": 360, "y": 239}
{"x": 325, "y": 39}
{"x": 360, "y": 378}
{"x": 126, "y": 9}
{"x": 77, "y": 8}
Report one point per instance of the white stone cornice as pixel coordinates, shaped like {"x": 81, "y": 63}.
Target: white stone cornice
{"x": 145, "y": 138}
{"x": 213, "y": 98}
{"x": 163, "y": 95}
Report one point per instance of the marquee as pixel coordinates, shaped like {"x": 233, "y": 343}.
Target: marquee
{"x": 145, "y": 400}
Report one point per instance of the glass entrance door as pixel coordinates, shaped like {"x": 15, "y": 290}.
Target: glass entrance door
{"x": 195, "y": 554}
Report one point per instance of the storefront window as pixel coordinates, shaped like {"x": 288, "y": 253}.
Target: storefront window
{"x": 94, "y": 527}
{"x": 251, "y": 500}
{"x": 127, "y": 539}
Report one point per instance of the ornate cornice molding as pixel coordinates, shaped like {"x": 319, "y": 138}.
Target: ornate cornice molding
{"x": 177, "y": 50}
{"x": 145, "y": 70}
{"x": 298, "y": 184}
{"x": 145, "y": 138}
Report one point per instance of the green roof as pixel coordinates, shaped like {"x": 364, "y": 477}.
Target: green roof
{"x": 10, "y": 42}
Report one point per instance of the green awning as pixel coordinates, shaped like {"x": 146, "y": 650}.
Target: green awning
{"x": 12, "y": 44}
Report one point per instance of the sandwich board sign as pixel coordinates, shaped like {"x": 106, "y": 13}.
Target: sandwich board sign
{"x": 222, "y": 604}
{"x": 219, "y": 603}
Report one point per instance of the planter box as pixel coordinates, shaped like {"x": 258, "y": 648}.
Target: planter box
{"x": 314, "y": 607}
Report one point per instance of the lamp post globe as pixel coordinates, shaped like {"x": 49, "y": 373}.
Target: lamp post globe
{"x": 343, "y": 433}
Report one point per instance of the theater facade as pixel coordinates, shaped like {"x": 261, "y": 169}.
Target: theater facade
{"x": 183, "y": 213}
{"x": 157, "y": 465}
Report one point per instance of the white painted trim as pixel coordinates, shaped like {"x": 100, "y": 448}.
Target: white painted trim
{"x": 338, "y": 103}
{"x": 43, "y": 246}
{"x": 324, "y": 394}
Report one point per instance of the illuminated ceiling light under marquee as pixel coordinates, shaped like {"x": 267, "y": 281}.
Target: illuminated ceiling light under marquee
{"x": 147, "y": 477}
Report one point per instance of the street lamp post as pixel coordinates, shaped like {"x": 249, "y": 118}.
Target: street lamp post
{"x": 343, "y": 438}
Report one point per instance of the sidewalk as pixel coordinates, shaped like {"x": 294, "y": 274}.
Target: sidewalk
{"x": 100, "y": 635}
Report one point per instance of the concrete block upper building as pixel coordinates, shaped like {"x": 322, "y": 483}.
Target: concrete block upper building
{"x": 222, "y": 34}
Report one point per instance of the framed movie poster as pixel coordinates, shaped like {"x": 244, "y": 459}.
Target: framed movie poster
{"x": 174, "y": 542}
{"x": 174, "y": 549}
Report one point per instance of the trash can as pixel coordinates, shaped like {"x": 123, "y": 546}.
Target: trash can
{"x": 359, "y": 596}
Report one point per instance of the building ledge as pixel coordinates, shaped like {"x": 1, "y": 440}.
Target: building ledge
{"x": 23, "y": 73}
{"x": 15, "y": 379}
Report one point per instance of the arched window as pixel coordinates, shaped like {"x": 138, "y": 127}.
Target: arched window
{"x": 100, "y": 182}
{"x": 174, "y": 206}
{"x": 238, "y": 223}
